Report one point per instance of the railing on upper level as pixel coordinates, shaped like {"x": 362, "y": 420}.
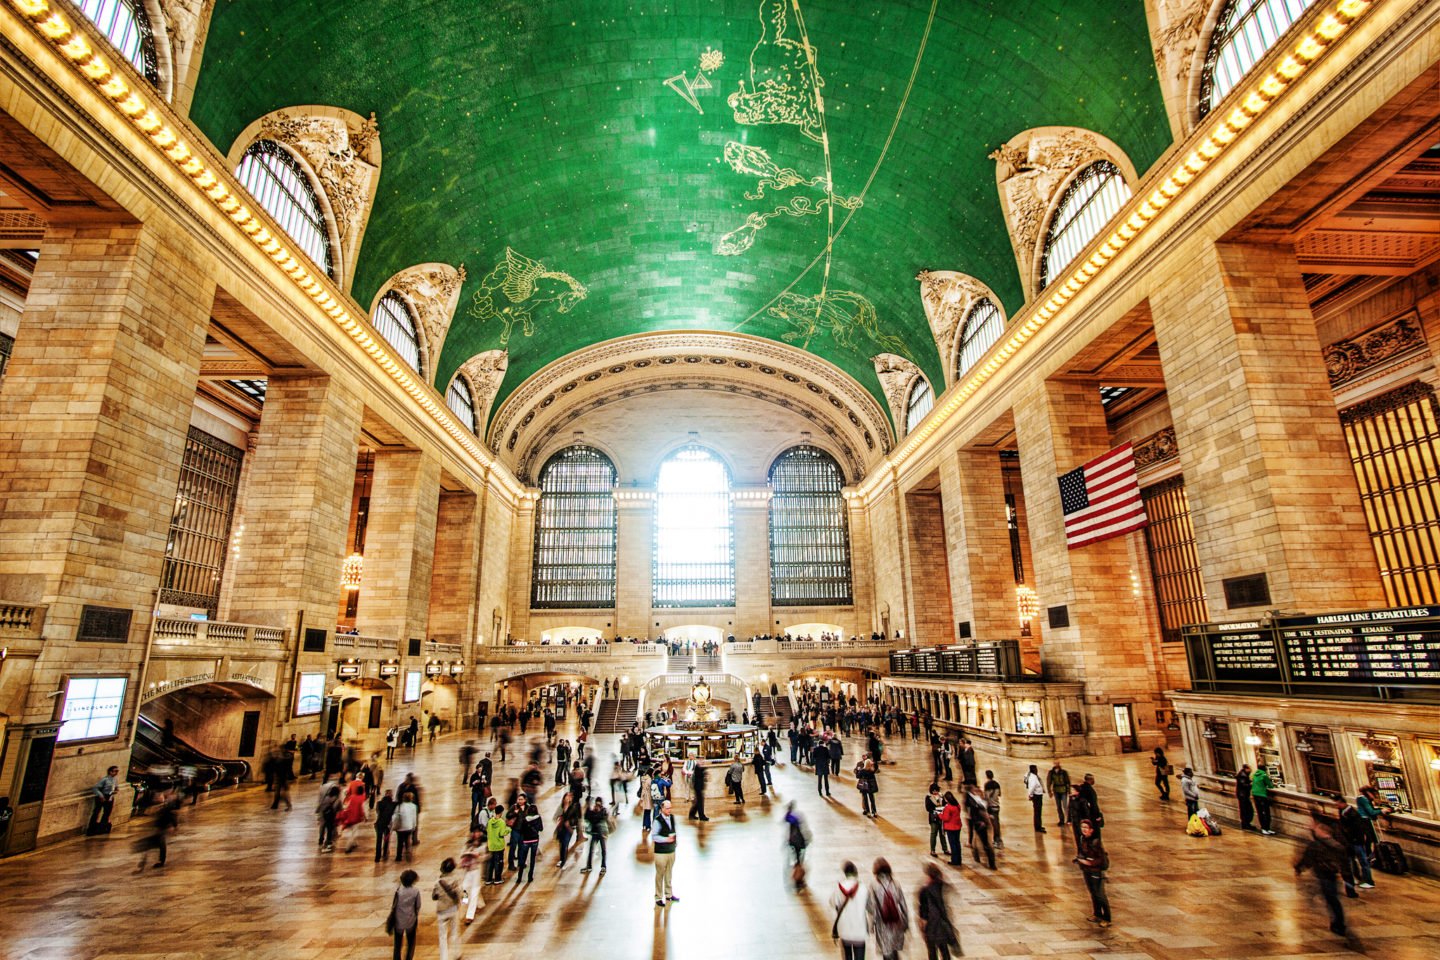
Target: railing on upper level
{"x": 171, "y": 631}
{"x": 772, "y": 646}
{"x": 21, "y": 620}
{"x": 436, "y": 648}
{"x": 355, "y": 641}
{"x": 569, "y": 651}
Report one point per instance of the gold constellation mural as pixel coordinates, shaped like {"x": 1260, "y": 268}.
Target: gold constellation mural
{"x": 517, "y": 287}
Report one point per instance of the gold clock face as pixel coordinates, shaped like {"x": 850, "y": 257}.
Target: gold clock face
{"x": 700, "y": 693}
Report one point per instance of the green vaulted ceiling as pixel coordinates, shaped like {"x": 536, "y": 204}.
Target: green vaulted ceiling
{"x": 603, "y": 168}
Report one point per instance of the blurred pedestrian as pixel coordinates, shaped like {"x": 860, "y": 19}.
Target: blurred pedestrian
{"x": 404, "y": 914}
{"x": 935, "y": 925}
{"x": 887, "y": 912}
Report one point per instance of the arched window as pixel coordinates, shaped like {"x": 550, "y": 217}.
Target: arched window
{"x": 919, "y": 403}
{"x": 575, "y": 531}
{"x": 1095, "y": 195}
{"x": 392, "y": 320}
{"x": 460, "y": 402}
{"x": 982, "y": 328}
{"x": 809, "y": 531}
{"x": 1244, "y": 32}
{"x": 694, "y": 535}
{"x": 126, "y": 26}
{"x": 279, "y": 184}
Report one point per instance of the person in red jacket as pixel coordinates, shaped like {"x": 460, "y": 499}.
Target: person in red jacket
{"x": 950, "y": 822}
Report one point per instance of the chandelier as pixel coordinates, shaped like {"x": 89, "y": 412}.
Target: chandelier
{"x": 351, "y": 570}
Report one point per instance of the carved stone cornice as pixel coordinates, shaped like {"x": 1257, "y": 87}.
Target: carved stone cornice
{"x": 1158, "y": 448}
{"x": 433, "y": 292}
{"x": 483, "y": 372}
{"x": 896, "y": 375}
{"x": 948, "y": 296}
{"x": 1352, "y": 358}
{"x": 1413, "y": 392}
{"x": 742, "y": 357}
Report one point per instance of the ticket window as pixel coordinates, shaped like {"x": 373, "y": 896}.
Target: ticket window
{"x": 1387, "y": 774}
{"x": 1222, "y": 750}
{"x": 1027, "y": 717}
{"x": 1320, "y": 771}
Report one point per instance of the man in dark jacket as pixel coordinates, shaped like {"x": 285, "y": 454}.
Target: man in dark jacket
{"x": 384, "y": 811}
{"x": 697, "y": 792}
{"x": 820, "y": 759}
{"x": 525, "y": 822}
{"x": 1354, "y": 835}
{"x": 1325, "y": 858}
{"x": 967, "y": 764}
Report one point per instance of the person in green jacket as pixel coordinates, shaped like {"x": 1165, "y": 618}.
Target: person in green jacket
{"x": 1057, "y": 781}
{"x": 1260, "y": 787}
{"x": 497, "y": 831}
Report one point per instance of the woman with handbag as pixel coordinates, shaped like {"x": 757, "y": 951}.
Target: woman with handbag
{"x": 868, "y": 784}
{"x": 1093, "y": 862}
{"x": 1162, "y": 773}
{"x": 404, "y": 916}
{"x": 850, "y": 902}
{"x": 448, "y": 897}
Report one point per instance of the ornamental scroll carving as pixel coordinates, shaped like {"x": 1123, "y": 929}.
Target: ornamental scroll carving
{"x": 896, "y": 377}
{"x": 1030, "y": 169}
{"x": 344, "y": 153}
{"x": 484, "y": 371}
{"x": 1352, "y": 358}
{"x": 947, "y": 297}
{"x": 1175, "y": 31}
{"x": 1158, "y": 448}
{"x": 183, "y": 20}
{"x": 433, "y": 292}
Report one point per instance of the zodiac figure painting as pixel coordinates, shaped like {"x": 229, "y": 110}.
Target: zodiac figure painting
{"x": 783, "y": 87}
{"x": 516, "y": 287}
{"x": 844, "y": 313}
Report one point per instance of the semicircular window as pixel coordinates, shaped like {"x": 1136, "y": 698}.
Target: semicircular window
{"x": 694, "y": 563}
{"x": 279, "y": 184}
{"x": 983, "y": 326}
{"x": 126, "y": 26}
{"x": 460, "y": 402}
{"x": 919, "y": 403}
{"x": 393, "y": 321}
{"x": 575, "y": 531}
{"x": 1095, "y": 195}
{"x": 1244, "y": 32}
{"x": 809, "y": 531}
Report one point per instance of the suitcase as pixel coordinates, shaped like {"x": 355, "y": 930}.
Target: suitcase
{"x": 1389, "y": 858}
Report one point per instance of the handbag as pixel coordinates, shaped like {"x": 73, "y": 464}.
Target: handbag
{"x": 390, "y": 920}
{"x": 835, "y": 927}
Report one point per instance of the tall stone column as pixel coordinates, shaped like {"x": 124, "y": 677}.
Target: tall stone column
{"x": 522, "y": 567}
{"x": 93, "y": 419}
{"x": 454, "y": 580}
{"x": 752, "y": 562}
{"x": 926, "y": 570}
{"x": 399, "y": 546}
{"x": 634, "y": 570}
{"x": 1267, "y": 472}
{"x": 1060, "y": 425}
{"x": 862, "y": 568}
{"x": 977, "y": 536}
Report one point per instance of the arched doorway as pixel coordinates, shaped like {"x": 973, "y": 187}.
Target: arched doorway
{"x": 564, "y": 635}
{"x": 440, "y": 697}
{"x": 694, "y": 633}
{"x": 815, "y": 631}
{"x": 361, "y": 714}
{"x": 544, "y": 690}
{"x": 210, "y": 732}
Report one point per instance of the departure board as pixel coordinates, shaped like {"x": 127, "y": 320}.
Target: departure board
{"x": 1378, "y": 646}
{"x": 1243, "y": 651}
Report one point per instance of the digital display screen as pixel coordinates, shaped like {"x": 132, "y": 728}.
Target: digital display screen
{"x": 92, "y": 708}
{"x": 310, "y": 694}
{"x": 412, "y": 685}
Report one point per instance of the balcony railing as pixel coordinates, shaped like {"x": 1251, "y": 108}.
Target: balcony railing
{"x": 215, "y": 633}
{"x": 354, "y": 641}
{"x": 21, "y": 620}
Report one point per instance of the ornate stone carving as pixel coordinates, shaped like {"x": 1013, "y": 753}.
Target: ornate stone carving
{"x": 1352, "y": 358}
{"x": 1029, "y": 169}
{"x": 947, "y": 297}
{"x": 433, "y": 291}
{"x": 345, "y": 158}
{"x": 484, "y": 371}
{"x": 182, "y": 28}
{"x": 1156, "y": 449}
{"x": 896, "y": 376}
{"x": 1175, "y": 29}
{"x": 1416, "y": 391}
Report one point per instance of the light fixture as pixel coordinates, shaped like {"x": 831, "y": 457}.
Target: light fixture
{"x": 1302, "y": 742}
{"x": 1257, "y": 735}
{"x": 351, "y": 571}
{"x": 1374, "y": 749}
{"x": 1209, "y": 733}
{"x": 1435, "y": 764}
{"x": 1028, "y": 606}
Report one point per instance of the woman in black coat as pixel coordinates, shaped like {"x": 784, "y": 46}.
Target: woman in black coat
{"x": 935, "y": 925}
{"x": 1093, "y": 862}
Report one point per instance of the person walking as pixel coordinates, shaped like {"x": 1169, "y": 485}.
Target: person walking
{"x": 1093, "y": 861}
{"x": 1353, "y": 835}
{"x": 820, "y": 760}
{"x": 1260, "y": 787}
{"x": 567, "y": 823}
{"x": 697, "y": 792}
{"x": 887, "y": 912}
{"x": 992, "y": 806}
{"x": 936, "y": 928}
{"x": 526, "y": 823}
{"x": 1162, "y": 772}
{"x": 1035, "y": 792}
{"x": 1057, "y": 782}
{"x": 327, "y": 810}
{"x": 497, "y": 832}
{"x": 597, "y": 825}
{"x": 104, "y": 796}
{"x": 404, "y": 917}
{"x": 446, "y": 894}
{"x": 934, "y": 803}
{"x": 1190, "y": 792}
{"x": 384, "y": 814}
{"x": 849, "y": 903}
{"x": 664, "y": 839}
{"x": 797, "y": 838}
{"x": 735, "y": 780}
{"x": 472, "y": 861}
{"x": 1242, "y": 797}
{"x": 645, "y": 793}
{"x": 1325, "y": 859}
{"x": 950, "y": 822}
{"x": 404, "y": 821}
{"x": 981, "y": 824}
{"x": 166, "y": 822}
{"x": 868, "y": 784}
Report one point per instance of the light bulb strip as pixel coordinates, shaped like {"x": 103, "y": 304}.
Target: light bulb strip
{"x": 148, "y": 118}
{"x": 1327, "y": 28}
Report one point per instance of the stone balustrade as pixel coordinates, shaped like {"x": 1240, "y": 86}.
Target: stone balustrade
{"x": 353, "y": 641}
{"x": 437, "y": 649}
{"x": 171, "y": 631}
{"x": 21, "y": 620}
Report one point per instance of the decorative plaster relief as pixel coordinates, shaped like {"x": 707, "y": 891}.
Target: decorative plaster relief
{"x": 896, "y": 377}
{"x": 183, "y": 21}
{"x": 947, "y": 297}
{"x": 1176, "y": 27}
{"x": 1354, "y": 357}
{"x": 433, "y": 292}
{"x": 484, "y": 371}
{"x": 1158, "y": 448}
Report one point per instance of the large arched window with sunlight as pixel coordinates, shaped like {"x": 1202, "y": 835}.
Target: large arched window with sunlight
{"x": 983, "y": 326}
{"x": 694, "y": 535}
{"x": 575, "y": 531}
{"x": 393, "y": 321}
{"x": 279, "y": 184}
{"x": 460, "y": 402}
{"x": 1095, "y": 195}
{"x": 1244, "y": 32}
{"x": 809, "y": 531}
{"x": 918, "y": 403}
{"x": 126, "y": 26}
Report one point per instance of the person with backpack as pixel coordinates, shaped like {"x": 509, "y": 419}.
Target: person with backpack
{"x": 1057, "y": 783}
{"x": 404, "y": 918}
{"x": 992, "y": 805}
{"x": 1035, "y": 791}
{"x": 447, "y": 897}
{"x": 837, "y": 754}
{"x": 597, "y": 824}
{"x": 1352, "y": 837}
{"x": 1162, "y": 773}
{"x": 1093, "y": 861}
{"x": 849, "y": 903}
{"x": 1325, "y": 858}
{"x": 936, "y": 927}
{"x": 889, "y": 915}
{"x": 797, "y": 838}
{"x": 526, "y": 823}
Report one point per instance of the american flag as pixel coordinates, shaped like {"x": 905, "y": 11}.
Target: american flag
{"x": 1102, "y": 499}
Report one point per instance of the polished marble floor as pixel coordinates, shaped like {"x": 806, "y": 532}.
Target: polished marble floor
{"x": 244, "y": 882}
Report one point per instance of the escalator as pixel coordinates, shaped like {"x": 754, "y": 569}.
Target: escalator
{"x": 156, "y": 766}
